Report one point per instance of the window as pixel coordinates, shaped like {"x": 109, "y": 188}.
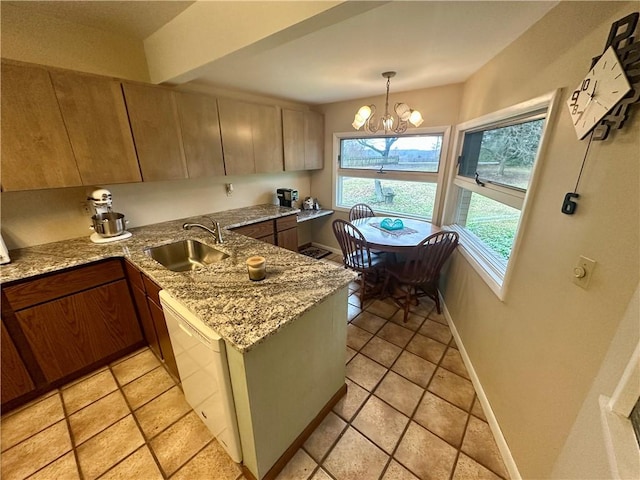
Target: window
{"x": 394, "y": 175}
{"x": 496, "y": 163}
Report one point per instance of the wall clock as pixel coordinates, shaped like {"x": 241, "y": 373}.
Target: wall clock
{"x": 598, "y": 104}
{"x": 589, "y": 98}
{"x": 602, "y": 88}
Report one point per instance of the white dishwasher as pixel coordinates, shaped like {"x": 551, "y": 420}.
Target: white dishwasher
{"x": 202, "y": 363}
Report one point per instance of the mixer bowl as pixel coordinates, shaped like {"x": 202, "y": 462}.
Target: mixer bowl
{"x": 109, "y": 224}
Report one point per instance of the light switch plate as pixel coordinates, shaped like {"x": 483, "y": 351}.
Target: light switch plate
{"x": 583, "y": 271}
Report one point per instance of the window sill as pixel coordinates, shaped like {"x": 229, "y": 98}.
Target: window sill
{"x": 486, "y": 264}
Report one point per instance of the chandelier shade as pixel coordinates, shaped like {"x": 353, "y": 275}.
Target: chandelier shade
{"x": 365, "y": 117}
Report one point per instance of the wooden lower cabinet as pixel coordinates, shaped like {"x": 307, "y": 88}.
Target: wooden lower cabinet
{"x": 146, "y": 320}
{"x": 16, "y": 380}
{"x": 163, "y": 338}
{"x": 70, "y": 333}
{"x": 287, "y": 232}
{"x": 60, "y": 326}
{"x": 288, "y": 239}
{"x": 282, "y": 232}
{"x": 145, "y": 292}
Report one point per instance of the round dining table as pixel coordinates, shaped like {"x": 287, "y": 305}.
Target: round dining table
{"x": 379, "y": 238}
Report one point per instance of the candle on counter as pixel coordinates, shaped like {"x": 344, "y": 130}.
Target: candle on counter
{"x": 257, "y": 268}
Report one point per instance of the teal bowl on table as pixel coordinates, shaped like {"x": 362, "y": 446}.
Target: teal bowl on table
{"x": 389, "y": 224}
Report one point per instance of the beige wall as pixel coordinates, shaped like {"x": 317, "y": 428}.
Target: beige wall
{"x": 537, "y": 353}
{"x": 42, "y": 216}
{"x": 439, "y": 107}
{"x": 55, "y": 42}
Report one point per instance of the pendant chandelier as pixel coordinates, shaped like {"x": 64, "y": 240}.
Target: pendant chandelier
{"x": 366, "y": 115}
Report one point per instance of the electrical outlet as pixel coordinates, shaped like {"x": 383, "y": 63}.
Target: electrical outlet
{"x": 583, "y": 271}
{"x": 85, "y": 208}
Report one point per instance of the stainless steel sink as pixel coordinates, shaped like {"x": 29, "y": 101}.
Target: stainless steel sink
{"x": 185, "y": 255}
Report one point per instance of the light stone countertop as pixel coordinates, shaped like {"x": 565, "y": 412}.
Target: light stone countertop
{"x": 241, "y": 311}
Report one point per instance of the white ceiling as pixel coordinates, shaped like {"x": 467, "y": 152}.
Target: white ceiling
{"x": 428, "y": 43}
{"x": 131, "y": 18}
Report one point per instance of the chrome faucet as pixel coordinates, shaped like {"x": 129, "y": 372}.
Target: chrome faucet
{"x": 216, "y": 232}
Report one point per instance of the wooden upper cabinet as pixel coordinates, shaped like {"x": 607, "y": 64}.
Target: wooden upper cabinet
{"x": 200, "y": 129}
{"x": 303, "y": 135}
{"x": 96, "y": 118}
{"x": 267, "y": 138}
{"x": 251, "y": 137}
{"x": 36, "y": 152}
{"x": 293, "y": 137}
{"x": 237, "y": 139}
{"x": 313, "y": 140}
{"x": 153, "y": 115}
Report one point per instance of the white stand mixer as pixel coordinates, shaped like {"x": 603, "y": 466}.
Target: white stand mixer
{"x": 108, "y": 226}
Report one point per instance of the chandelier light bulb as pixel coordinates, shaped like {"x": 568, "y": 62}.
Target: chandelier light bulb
{"x": 364, "y": 112}
{"x": 403, "y": 111}
{"x": 416, "y": 118}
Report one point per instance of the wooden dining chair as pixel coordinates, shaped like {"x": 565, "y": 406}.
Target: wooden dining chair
{"x": 357, "y": 256}
{"x": 419, "y": 274}
{"x": 360, "y": 210}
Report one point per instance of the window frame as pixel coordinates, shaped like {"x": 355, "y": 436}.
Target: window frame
{"x": 437, "y": 178}
{"x": 494, "y": 270}
{"x": 620, "y": 440}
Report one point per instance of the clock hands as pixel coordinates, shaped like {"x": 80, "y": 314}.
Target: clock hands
{"x": 592, "y": 97}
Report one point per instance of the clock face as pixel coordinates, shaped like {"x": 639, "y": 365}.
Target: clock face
{"x": 603, "y": 87}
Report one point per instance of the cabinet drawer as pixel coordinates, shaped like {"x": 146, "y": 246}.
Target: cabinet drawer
{"x": 256, "y": 230}
{"x": 285, "y": 223}
{"x": 62, "y": 284}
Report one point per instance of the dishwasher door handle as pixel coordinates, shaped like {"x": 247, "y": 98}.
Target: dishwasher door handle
{"x": 185, "y": 330}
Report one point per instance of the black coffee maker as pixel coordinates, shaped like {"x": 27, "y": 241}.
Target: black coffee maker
{"x": 287, "y": 196}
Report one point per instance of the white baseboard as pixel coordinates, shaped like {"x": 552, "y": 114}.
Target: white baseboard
{"x": 509, "y": 462}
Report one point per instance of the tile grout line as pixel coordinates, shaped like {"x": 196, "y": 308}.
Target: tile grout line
{"x": 448, "y": 346}
{"x": 72, "y": 438}
{"x": 391, "y": 456}
{"x": 135, "y": 419}
{"x": 406, "y": 427}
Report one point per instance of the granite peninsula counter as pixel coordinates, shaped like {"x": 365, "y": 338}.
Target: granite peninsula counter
{"x": 285, "y": 336}
{"x": 243, "y": 312}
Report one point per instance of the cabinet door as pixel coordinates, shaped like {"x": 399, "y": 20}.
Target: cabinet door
{"x": 288, "y": 239}
{"x": 15, "y": 378}
{"x": 163, "y": 338}
{"x": 293, "y": 130}
{"x": 200, "y": 129}
{"x": 267, "y": 138}
{"x": 76, "y": 331}
{"x": 36, "y": 152}
{"x": 237, "y": 138}
{"x": 96, "y": 119}
{"x": 313, "y": 140}
{"x": 148, "y": 325}
{"x": 154, "y": 121}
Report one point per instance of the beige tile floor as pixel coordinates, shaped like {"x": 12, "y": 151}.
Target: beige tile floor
{"x": 410, "y": 412}
{"x": 125, "y": 421}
